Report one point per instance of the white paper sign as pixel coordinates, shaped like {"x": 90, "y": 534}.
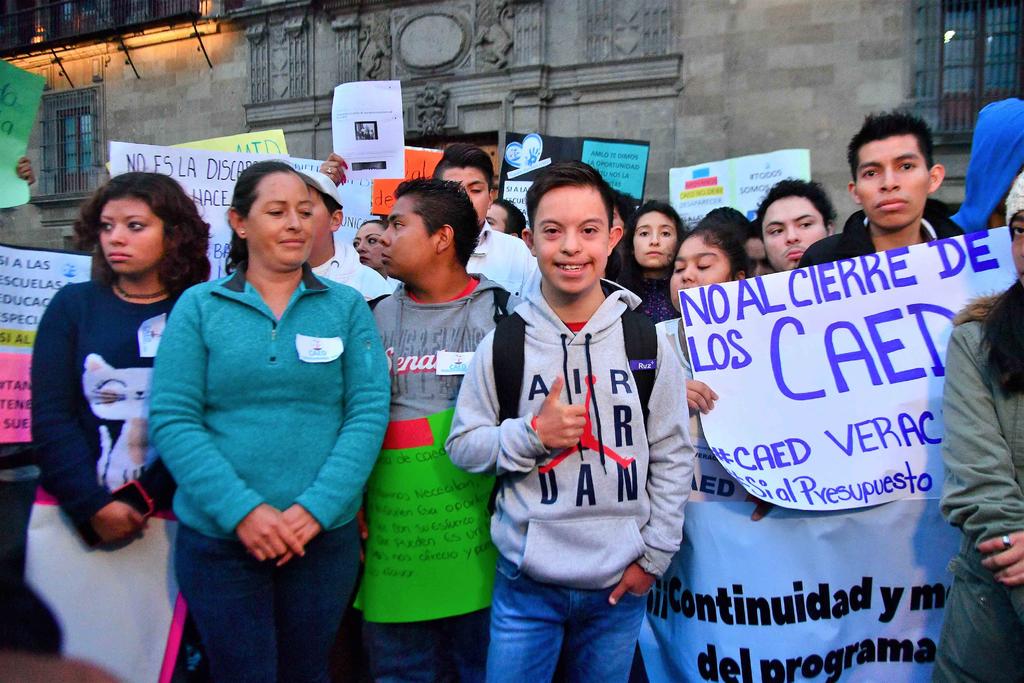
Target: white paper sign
{"x": 368, "y": 128}
{"x": 740, "y": 182}
{"x": 209, "y": 178}
{"x": 795, "y": 597}
{"x": 830, "y": 377}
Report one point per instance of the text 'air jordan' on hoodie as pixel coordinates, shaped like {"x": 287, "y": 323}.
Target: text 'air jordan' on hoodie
{"x": 578, "y": 517}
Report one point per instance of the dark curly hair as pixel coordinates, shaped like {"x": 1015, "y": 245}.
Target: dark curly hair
{"x": 186, "y": 234}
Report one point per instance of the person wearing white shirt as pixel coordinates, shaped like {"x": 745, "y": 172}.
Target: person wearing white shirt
{"x": 334, "y": 258}
{"x": 500, "y": 257}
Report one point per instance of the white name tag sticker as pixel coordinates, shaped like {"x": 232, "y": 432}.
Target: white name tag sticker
{"x": 453, "y": 362}
{"x": 318, "y": 349}
{"x": 150, "y": 332}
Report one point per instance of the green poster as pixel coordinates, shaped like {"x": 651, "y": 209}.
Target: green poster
{"x": 20, "y": 92}
{"x": 622, "y": 164}
{"x": 429, "y": 554}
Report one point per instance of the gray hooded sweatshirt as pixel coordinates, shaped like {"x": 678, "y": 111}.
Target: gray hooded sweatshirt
{"x": 578, "y": 517}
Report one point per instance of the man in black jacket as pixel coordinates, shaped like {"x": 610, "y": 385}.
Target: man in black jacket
{"x": 893, "y": 174}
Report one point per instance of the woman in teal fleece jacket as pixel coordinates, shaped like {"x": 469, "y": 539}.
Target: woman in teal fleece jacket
{"x": 270, "y": 401}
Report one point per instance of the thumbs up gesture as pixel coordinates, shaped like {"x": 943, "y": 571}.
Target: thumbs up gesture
{"x": 559, "y": 425}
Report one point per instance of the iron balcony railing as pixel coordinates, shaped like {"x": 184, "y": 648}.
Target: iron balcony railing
{"x": 52, "y": 24}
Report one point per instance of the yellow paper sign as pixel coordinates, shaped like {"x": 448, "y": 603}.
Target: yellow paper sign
{"x": 256, "y": 142}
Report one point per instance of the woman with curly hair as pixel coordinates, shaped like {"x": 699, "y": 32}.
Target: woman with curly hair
{"x": 93, "y": 355}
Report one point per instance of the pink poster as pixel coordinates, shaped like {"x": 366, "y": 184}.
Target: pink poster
{"x": 15, "y": 398}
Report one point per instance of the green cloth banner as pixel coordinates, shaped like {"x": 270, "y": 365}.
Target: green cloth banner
{"x": 429, "y": 554}
{"x": 20, "y": 92}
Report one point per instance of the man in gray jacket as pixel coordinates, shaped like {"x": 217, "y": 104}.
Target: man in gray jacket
{"x": 429, "y": 559}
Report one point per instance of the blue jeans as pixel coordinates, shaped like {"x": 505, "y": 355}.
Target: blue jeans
{"x": 260, "y": 623}
{"x": 449, "y": 650}
{"x": 530, "y": 621}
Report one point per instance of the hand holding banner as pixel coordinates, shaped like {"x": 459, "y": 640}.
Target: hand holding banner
{"x": 20, "y": 93}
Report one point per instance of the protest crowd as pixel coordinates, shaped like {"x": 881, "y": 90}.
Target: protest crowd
{"x": 326, "y": 419}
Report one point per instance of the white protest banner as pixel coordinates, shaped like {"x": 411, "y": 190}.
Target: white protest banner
{"x": 795, "y": 597}
{"x": 368, "y": 128}
{"x": 740, "y": 182}
{"x": 131, "y": 591}
{"x": 830, "y": 377}
{"x": 356, "y": 198}
{"x": 209, "y": 178}
{"x": 28, "y": 280}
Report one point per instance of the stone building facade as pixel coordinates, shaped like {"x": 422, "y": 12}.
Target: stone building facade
{"x": 700, "y": 79}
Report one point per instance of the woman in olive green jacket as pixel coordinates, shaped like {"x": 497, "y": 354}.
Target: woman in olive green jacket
{"x": 983, "y": 495}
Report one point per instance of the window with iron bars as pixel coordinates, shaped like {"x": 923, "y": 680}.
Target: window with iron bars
{"x": 72, "y": 158}
{"x": 967, "y": 53}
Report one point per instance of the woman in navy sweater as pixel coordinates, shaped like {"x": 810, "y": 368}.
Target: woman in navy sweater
{"x": 93, "y": 355}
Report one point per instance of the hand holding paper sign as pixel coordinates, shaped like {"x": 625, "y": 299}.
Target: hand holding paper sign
{"x": 334, "y": 168}
{"x": 559, "y": 425}
{"x": 20, "y": 92}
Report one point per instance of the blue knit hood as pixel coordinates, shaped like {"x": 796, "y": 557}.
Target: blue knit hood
{"x": 997, "y": 155}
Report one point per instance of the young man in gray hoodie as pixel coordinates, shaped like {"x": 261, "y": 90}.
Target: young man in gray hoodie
{"x": 429, "y": 559}
{"x": 589, "y": 506}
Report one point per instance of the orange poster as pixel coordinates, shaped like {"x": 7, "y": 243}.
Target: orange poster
{"x": 419, "y": 163}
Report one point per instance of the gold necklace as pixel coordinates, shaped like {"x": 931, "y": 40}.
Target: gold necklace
{"x": 127, "y": 295}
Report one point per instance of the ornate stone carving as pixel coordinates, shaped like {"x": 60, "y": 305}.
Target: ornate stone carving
{"x": 375, "y": 48}
{"x": 279, "y": 59}
{"x": 259, "y": 62}
{"x": 346, "y": 32}
{"x": 627, "y": 28}
{"x": 433, "y": 40}
{"x": 495, "y": 34}
{"x": 431, "y": 110}
{"x": 528, "y": 43}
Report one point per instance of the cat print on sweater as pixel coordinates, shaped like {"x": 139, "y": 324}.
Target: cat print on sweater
{"x": 119, "y": 396}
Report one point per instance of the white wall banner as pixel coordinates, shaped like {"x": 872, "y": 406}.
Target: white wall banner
{"x": 830, "y": 377}
{"x": 209, "y": 178}
{"x": 799, "y": 596}
{"x": 131, "y": 591}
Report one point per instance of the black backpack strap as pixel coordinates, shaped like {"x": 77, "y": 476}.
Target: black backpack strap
{"x": 500, "y": 304}
{"x": 372, "y": 303}
{"x": 641, "y": 339}
{"x": 508, "y": 358}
